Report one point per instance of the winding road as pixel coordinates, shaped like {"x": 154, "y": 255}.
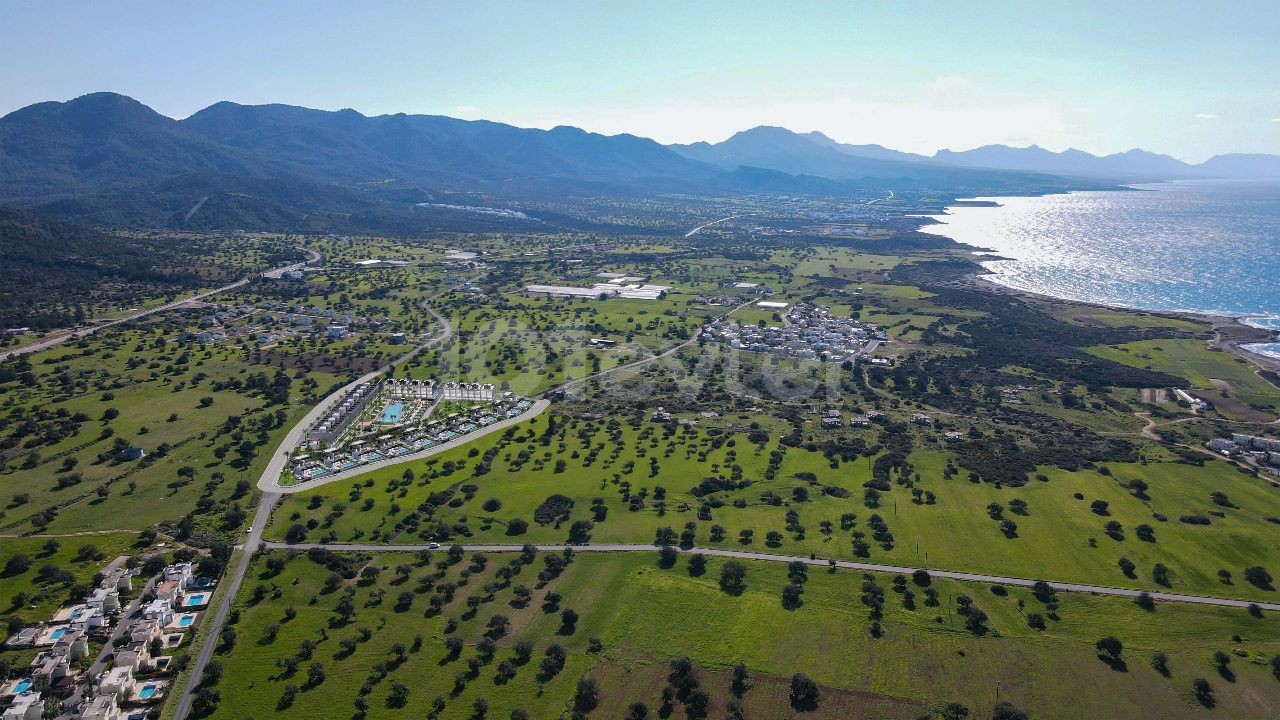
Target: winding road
{"x": 272, "y": 492}
{"x": 270, "y": 480}
{"x": 847, "y": 564}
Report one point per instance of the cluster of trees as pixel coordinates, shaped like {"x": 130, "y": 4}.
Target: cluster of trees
{"x": 56, "y": 270}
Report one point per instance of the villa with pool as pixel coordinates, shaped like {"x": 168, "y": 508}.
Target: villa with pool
{"x": 139, "y": 673}
{"x": 380, "y": 421}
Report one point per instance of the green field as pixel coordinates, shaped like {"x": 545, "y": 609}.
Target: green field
{"x": 955, "y": 532}
{"x": 136, "y": 388}
{"x": 1032, "y": 464}
{"x": 643, "y": 615}
{"x": 1199, "y": 365}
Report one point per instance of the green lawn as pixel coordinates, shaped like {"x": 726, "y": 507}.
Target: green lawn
{"x": 43, "y": 597}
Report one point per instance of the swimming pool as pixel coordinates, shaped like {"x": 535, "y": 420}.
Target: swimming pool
{"x": 147, "y": 691}
{"x": 194, "y": 600}
{"x": 22, "y": 686}
{"x": 186, "y": 620}
{"x": 58, "y": 633}
{"x": 392, "y": 414}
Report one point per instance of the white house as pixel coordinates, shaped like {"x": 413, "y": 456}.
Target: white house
{"x": 180, "y": 572}
{"x": 102, "y": 707}
{"x": 50, "y": 671}
{"x": 26, "y": 706}
{"x": 105, "y": 599}
{"x": 73, "y": 645}
{"x": 118, "y": 682}
{"x": 160, "y": 610}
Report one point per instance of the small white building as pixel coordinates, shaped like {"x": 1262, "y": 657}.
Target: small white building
{"x": 118, "y": 682}
{"x": 25, "y": 706}
{"x": 159, "y": 611}
{"x": 104, "y": 599}
{"x": 180, "y": 572}
{"x": 73, "y": 645}
{"x": 102, "y": 707}
{"x": 51, "y": 671}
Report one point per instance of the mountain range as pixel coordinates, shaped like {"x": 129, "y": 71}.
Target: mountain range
{"x": 107, "y": 158}
{"x": 815, "y": 153}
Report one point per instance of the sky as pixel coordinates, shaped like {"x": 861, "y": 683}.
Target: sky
{"x": 1186, "y": 78}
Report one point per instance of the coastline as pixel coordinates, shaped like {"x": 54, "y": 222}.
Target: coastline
{"x": 1238, "y": 333}
{"x": 1231, "y": 333}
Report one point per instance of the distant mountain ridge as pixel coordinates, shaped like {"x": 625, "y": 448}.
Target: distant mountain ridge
{"x": 817, "y": 155}
{"x": 1129, "y": 165}
{"x": 103, "y": 141}
{"x": 107, "y": 158}
{"x": 782, "y": 149}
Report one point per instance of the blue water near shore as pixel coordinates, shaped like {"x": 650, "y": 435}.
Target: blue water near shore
{"x": 1204, "y": 246}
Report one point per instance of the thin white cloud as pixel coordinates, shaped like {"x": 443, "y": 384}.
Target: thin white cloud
{"x": 465, "y": 109}
{"x": 1206, "y": 116}
{"x": 1275, "y": 120}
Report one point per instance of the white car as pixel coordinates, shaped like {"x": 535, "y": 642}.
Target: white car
{"x": 433, "y": 546}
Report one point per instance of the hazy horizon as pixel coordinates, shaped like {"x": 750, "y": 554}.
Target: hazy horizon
{"x": 916, "y": 77}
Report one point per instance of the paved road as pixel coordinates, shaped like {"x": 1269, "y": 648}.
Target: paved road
{"x": 670, "y": 351}
{"x": 532, "y": 412}
{"x": 269, "y": 483}
{"x": 851, "y": 565}
{"x": 694, "y": 231}
{"x": 270, "y": 480}
{"x": 77, "y": 333}
{"x": 231, "y": 587}
{"x": 123, "y": 621}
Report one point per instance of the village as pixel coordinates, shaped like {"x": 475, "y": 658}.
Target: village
{"x": 270, "y": 321}
{"x": 808, "y": 332}
{"x": 132, "y": 673}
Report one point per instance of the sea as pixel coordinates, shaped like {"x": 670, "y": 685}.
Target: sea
{"x": 1197, "y": 246}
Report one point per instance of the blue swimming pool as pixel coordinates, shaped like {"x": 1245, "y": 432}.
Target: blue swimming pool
{"x": 392, "y": 414}
{"x": 22, "y": 686}
{"x": 194, "y": 600}
{"x": 58, "y": 633}
{"x": 147, "y": 691}
{"x": 186, "y": 620}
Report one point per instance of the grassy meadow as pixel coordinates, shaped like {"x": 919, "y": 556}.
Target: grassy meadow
{"x": 633, "y": 616}
{"x": 1058, "y": 536}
